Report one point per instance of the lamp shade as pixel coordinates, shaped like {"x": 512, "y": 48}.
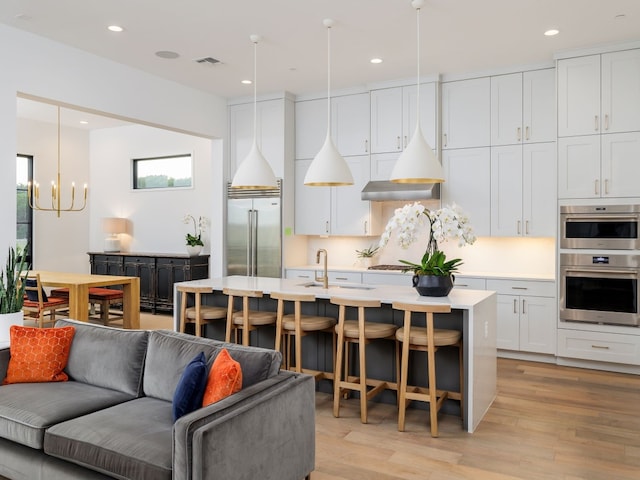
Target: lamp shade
{"x": 417, "y": 163}
{"x": 254, "y": 173}
{"x": 328, "y": 168}
{"x": 114, "y": 225}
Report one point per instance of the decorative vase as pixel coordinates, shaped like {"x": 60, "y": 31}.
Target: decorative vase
{"x": 366, "y": 262}
{"x": 6, "y": 320}
{"x": 194, "y": 250}
{"x": 433, "y": 285}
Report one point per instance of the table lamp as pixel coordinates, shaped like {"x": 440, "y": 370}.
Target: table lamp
{"x": 113, "y": 226}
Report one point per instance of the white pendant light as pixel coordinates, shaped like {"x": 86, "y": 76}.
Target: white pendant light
{"x": 328, "y": 168}
{"x": 417, "y": 163}
{"x": 254, "y": 173}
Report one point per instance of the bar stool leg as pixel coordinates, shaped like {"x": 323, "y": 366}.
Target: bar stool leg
{"x": 362, "y": 348}
{"x": 298, "y": 342}
{"x": 433, "y": 400}
{"x": 337, "y": 373}
{"x": 183, "y": 311}
{"x": 227, "y": 336}
{"x": 198, "y": 321}
{"x": 404, "y": 372}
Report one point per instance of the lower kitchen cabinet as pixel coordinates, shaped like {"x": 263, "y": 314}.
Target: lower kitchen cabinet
{"x": 157, "y": 273}
{"x": 527, "y": 315}
{"x": 599, "y": 346}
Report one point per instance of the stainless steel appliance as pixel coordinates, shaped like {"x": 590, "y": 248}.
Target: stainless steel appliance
{"x": 600, "y": 288}
{"x": 254, "y": 237}
{"x": 601, "y": 227}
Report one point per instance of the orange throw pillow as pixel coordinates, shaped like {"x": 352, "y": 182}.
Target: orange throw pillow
{"x": 225, "y": 378}
{"x": 38, "y": 354}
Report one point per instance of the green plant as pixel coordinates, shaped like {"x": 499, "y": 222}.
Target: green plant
{"x": 434, "y": 264}
{"x": 367, "y": 252}
{"x": 198, "y": 228}
{"x": 11, "y": 286}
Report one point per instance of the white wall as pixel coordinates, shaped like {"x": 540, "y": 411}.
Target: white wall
{"x": 41, "y": 68}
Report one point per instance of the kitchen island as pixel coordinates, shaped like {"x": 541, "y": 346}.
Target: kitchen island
{"x": 472, "y": 311}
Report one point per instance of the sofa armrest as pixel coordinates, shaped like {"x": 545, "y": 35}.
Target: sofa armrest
{"x": 269, "y": 433}
{"x": 4, "y": 362}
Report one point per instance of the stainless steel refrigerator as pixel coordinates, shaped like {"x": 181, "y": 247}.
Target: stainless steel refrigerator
{"x": 254, "y": 234}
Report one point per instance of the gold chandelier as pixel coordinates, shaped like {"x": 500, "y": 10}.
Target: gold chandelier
{"x": 33, "y": 192}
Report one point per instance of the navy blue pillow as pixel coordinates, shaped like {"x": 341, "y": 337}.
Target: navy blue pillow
{"x": 32, "y": 295}
{"x": 190, "y": 389}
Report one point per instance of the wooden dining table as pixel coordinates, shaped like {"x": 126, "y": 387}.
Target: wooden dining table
{"x": 79, "y": 284}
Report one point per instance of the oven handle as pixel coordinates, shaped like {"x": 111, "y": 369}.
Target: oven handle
{"x": 604, "y": 273}
{"x": 601, "y": 218}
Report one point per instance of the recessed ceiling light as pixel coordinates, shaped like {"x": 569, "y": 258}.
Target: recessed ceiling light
{"x": 551, "y": 32}
{"x": 115, "y": 28}
{"x": 84, "y": 122}
{"x": 376, "y": 60}
{"x": 167, "y": 54}
{"x": 621, "y": 16}
{"x": 246, "y": 82}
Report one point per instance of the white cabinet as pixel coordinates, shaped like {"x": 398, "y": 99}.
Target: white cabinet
{"x": 527, "y": 315}
{"x": 336, "y": 210}
{"x": 271, "y": 133}
{"x": 300, "y": 274}
{"x": 466, "y": 113}
{"x": 393, "y": 117}
{"x": 523, "y": 107}
{"x": 599, "y": 94}
{"x": 349, "y": 125}
{"x": 470, "y": 283}
{"x": 468, "y": 184}
{"x": 523, "y": 190}
{"x": 598, "y": 166}
{"x": 599, "y": 346}
{"x": 378, "y": 278}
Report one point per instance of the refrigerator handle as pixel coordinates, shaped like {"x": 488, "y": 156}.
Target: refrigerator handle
{"x": 249, "y": 247}
{"x": 254, "y": 244}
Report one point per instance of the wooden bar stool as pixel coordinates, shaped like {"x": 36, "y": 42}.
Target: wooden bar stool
{"x": 199, "y": 314}
{"x": 299, "y": 325}
{"x": 360, "y": 332}
{"x": 427, "y": 339}
{"x": 246, "y": 320}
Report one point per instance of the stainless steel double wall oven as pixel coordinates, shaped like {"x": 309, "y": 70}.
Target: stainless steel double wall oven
{"x": 600, "y": 264}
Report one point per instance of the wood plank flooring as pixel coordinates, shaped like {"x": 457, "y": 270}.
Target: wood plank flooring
{"x": 547, "y": 423}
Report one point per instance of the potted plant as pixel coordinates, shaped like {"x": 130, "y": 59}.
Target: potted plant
{"x": 366, "y": 255}
{"x": 433, "y": 276}
{"x": 12, "y": 291}
{"x": 194, "y": 242}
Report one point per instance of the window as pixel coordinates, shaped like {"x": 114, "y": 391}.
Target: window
{"x": 24, "y": 216}
{"x": 163, "y": 172}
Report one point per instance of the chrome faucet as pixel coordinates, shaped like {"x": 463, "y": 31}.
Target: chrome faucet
{"x": 325, "y": 278}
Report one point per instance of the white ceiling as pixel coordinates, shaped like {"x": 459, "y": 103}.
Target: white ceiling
{"x": 457, "y": 36}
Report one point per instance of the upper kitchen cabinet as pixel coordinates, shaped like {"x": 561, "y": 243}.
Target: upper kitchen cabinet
{"x": 468, "y": 184}
{"x": 349, "y": 125}
{"x": 599, "y": 94}
{"x": 466, "y": 113}
{"x": 336, "y": 210}
{"x": 393, "y": 116}
{"x": 274, "y": 124}
{"x": 523, "y": 107}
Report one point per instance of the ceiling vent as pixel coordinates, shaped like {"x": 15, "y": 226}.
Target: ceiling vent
{"x": 207, "y": 61}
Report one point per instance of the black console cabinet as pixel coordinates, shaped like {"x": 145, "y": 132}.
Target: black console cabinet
{"x": 157, "y": 273}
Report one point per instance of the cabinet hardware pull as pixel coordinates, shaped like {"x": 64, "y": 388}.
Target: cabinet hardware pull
{"x": 601, "y": 347}
{"x": 405, "y": 142}
{"x": 462, "y": 285}
{"x": 519, "y": 134}
{"x": 526, "y": 133}
{"x": 606, "y": 122}
{"x": 342, "y": 278}
{"x": 606, "y": 186}
{"x": 398, "y": 141}
{"x": 366, "y": 146}
{"x": 515, "y": 306}
{"x": 303, "y": 276}
{"x": 596, "y": 123}
{"x": 523, "y": 306}
{"x": 519, "y": 288}
{"x": 326, "y": 226}
{"x": 445, "y": 140}
{"x": 597, "y": 190}
{"x": 526, "y": 227}
{"x": 518, "y": 227}
{"x": 366, "y": 225}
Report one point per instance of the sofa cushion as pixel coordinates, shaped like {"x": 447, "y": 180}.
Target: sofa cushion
{"x": 107, "y": 357}
{"x": 132, "y": 440}
{"x": 225, "y": 378}
{"x": 190, "y": 389}
{"x": 28, "y": 409}
{"x": 169, "y": 352}
{"x": 38, "y": 354}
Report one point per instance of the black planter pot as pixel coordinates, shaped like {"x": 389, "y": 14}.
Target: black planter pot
{"x": 433, "y": 285}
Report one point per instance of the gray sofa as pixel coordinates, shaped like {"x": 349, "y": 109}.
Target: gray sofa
{"x": 112, "y": 419}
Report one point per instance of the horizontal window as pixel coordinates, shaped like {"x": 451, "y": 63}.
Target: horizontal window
{"x": 174, "y": 171}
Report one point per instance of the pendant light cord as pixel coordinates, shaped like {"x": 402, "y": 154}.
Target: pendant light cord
{"x": 255, "y": 91}
{"x": 418, "y": 63}
{"x": 328, "y": 80}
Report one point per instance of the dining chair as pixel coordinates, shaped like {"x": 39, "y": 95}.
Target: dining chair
{"x": 37, "y": 304}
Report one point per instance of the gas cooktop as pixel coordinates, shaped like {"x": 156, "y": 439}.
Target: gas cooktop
{"x": 387, "y": 267}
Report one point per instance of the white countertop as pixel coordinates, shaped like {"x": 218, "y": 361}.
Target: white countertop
{"x": 463, "y": 299}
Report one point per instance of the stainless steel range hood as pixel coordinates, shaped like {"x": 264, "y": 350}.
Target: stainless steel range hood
{"x": 382, "y": 191}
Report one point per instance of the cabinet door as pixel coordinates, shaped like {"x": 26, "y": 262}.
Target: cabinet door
{"x": 386, "y": 120}
{"x": 506, "y": 191}
{"x": 428, "y": 113}
{"x": 311, "y": 127}
{"x": 539, "y": 189}
{"x": 621, "y": 91}
{"x": 506, "y": 109}
{"x": 468, "y": 184}
{"x": 145, "y": 269}
{"x": 579, "y": 96}
{"x": 539, "y": 106}
{"x": 240, "y": 134}
{"x": 579, "y": 167}
{"x": 466, "y": 113}
{"x": 508, "y": 322}
{"x": 621, "y": 165}
{"x": 350, "y": 124}
{"x": 313, "y": 204}
{"x": 538, "y": 320}
{"x": 382, "y": 165}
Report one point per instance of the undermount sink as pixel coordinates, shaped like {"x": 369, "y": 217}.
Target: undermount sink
{"x": 320, "y": 285}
